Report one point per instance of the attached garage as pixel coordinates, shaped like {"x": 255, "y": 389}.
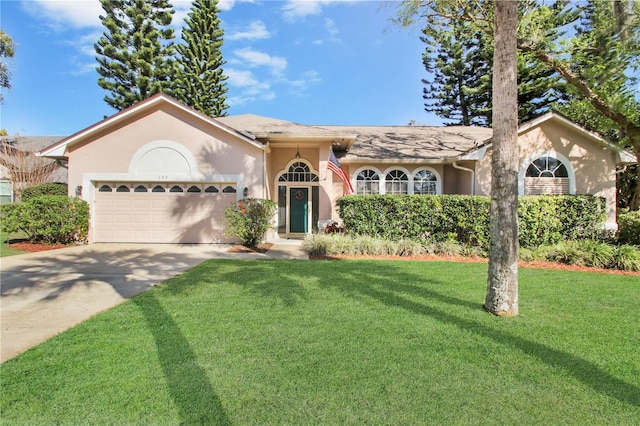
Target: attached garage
{"x": 161, "y": 172}
{"x": 161, "y": 212}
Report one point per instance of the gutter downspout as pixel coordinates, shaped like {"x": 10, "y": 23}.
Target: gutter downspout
{"x": 473, "y": 175}
{"x": 265, "y": 191}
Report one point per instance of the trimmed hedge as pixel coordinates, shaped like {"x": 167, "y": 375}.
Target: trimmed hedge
{"x": 629, "y": 228}
{"x": 465, "y": 218}
{"x": 43, "y": 189}
{"x": 48, "y": 218}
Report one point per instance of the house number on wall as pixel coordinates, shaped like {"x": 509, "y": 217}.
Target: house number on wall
{"x": 299, "y": 195}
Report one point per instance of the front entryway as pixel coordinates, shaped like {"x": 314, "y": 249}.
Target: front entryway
{"x": 298, "y": 200}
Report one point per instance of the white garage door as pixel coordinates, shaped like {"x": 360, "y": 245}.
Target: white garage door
{"x": 162, "y": 212}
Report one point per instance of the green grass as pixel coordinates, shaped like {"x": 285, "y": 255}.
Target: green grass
{"x": 342, "y": 342}
{"x": 6, "y": 249}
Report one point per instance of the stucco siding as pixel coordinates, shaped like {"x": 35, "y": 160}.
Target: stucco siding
{"x": 591, "y": 166}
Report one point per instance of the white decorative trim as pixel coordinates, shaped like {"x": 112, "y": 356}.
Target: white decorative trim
{"x": 162, "y": 144}
{"x": 548, "y": 153}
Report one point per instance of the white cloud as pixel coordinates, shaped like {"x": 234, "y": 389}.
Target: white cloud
{"x": 240, "y": 78}
{"x": 299, "y": 9}
{"x": 331, "y": 28}
{"x": 257, "y": 30}
{"x": 253, "y": 58}
{"x": 228, "y": 4}
{"x": 85, "y": 62}
{"x": 65, "y": 13}
{"x": 249, "y": 89}
{"x": 308, "y": 79}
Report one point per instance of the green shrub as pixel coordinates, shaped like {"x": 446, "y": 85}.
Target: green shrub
{"x": 629, "y": 228}
{"x": 48, "y": 218}
{"x": 588, "y": 253}
{"x": 43, "y": 189}
{"x": 465, "y": 219}
{"x": 249, "y": 219}
{"x": 627, "y": 258}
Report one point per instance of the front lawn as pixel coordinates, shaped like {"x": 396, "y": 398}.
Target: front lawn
{"x": 5, "y": 248}
{"x": 342, "y": 342}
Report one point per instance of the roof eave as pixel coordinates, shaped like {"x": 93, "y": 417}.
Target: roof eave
{"x": 58, "y": 150}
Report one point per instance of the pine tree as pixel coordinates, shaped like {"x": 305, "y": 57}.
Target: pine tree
{"x": 200, "y": 81}
{"x": 461, "y": 88}
{"x": 135, "y": 52}
{"x": 460, "y": 57}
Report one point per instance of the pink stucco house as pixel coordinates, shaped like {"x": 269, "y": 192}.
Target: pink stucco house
{"x": 160, "y": 171}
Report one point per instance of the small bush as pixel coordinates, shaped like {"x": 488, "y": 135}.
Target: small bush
{"x": 629, "y": 228}
{"x": 627, "y": 258}
{"x": 590, "y": 253}
{"x": 250, "y": 219}
{"x": 48, "y": 218}
{"x": 43, "y": 189}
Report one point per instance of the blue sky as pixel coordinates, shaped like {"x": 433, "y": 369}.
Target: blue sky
{"x": 312, "y": 62}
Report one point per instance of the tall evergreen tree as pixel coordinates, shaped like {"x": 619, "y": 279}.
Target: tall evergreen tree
{"x": 135, "y": 52}
{"x": 460, "y": 89}
{"x": 200, "y": 80}
{"x": 459, "y": 54}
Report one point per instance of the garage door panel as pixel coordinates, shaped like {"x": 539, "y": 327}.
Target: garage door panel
{"x": 120, "y": 203}
{"x": 178, "y": 217}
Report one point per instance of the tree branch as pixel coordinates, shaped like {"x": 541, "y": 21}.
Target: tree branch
{"x": 631, "y": 128}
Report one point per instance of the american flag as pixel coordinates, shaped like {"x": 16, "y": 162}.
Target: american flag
{"x": 336, "y": 168}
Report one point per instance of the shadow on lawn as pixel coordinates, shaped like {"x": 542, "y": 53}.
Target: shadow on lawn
{"x": 387, "y": 284}
{"x": 584, "y": 371}
{"x": 187, "y": 382}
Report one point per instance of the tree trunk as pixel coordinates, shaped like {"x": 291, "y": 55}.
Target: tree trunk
{"x": 502, "y": 284}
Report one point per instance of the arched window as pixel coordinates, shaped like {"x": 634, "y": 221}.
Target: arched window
{"x": 547, "y": 167}
{"x": 368, "y": 182}
{"x": 546, "y": 176}
{"x": 298, "y": 172}
{"x": 396, "y": 182}
{"x": 425, "y": 182}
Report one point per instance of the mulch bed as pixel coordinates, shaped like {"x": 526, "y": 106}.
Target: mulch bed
{"x": 262, "y": 248}
{"x": 538, "y": 264}
{"x": 35, "y": 247}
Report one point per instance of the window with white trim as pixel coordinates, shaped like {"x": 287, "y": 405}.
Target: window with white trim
{"x": 396, "y": 182}
{"x": 546, "y": 176}
{"x": 425, "y": 182}
{"x": 368, "y": 182}
{"x": 299, "y": 172}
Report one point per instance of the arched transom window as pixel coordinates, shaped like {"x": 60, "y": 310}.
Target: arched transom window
{"x": 425, "y": 182}
{"x": 298, "y": 172}
{"x": 546, "y": 176}
{"x": 368, "y": 182}
{"x": 547, "y": 167}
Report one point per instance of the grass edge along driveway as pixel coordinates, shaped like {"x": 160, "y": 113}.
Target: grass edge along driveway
{"x": 341, "y": 342}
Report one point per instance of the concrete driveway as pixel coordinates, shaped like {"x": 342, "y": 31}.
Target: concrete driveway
{"x": 43, "y": 294}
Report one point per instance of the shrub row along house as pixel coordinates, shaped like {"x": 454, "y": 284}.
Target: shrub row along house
{"x": 160, "y": 171}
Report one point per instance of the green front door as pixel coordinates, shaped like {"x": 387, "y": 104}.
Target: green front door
{"x": 298, "y": 210}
